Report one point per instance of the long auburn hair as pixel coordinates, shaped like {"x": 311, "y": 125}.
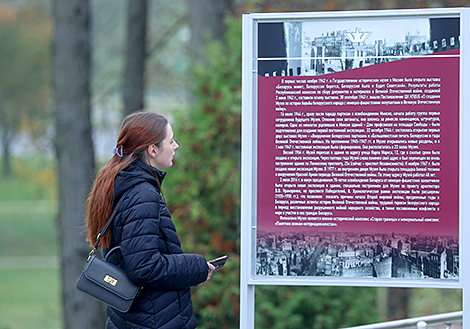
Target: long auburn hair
{"x": 138, "y": 131}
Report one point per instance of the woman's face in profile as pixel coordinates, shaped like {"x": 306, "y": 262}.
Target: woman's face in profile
{"x": 165, "y": 153}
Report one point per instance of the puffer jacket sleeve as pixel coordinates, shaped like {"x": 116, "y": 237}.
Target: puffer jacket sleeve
{"x": 145, "y": 264}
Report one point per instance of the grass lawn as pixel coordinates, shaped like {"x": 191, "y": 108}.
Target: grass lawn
{"x": 25, "y": 233}
{"x": 30, "y": 298}
{"x": 29, "y": 275}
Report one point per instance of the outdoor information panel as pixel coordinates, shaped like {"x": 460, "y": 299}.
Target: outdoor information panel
{"x": 352, "y": 137}
{"x": 358, "y": 148}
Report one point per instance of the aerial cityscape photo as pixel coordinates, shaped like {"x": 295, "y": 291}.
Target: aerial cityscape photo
{"x": 317, "y": 48}
{"x": 357, "y": 255}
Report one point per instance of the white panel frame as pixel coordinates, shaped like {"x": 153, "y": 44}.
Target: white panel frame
{"x": 248, "y": 280}
{"x": 464, "y": 162}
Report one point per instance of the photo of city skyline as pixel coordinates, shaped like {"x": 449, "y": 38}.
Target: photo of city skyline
{"x": 313, "y": 48}
{"x": 357, "y": 255}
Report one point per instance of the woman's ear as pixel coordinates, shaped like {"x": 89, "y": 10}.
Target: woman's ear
{"x": 152, "y": 150}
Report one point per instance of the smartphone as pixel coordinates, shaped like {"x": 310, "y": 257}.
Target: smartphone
{"x": 219, "y": 262}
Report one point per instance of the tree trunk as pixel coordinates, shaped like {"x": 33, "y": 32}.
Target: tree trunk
{"x": 6, "y": 163}
{"x": 206, "y": 21}
{"x": 75, "y": 155}
{"x": 135, "y": 56}
{"x": 398, "y": 303}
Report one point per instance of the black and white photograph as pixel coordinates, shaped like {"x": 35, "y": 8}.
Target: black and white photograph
{"x": 312, "y": 48}
{"x": 356, "y": 255}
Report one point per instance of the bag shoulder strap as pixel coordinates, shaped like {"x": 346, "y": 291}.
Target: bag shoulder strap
{"x": 95, "y": 246}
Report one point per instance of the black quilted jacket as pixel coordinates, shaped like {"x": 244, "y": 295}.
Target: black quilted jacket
{"x": 152, "y": 256}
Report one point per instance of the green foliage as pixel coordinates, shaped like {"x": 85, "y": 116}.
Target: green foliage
{"x": 203, "y": 188}
{"x": 24, "y": 74}
{"x": 24, "y": 65}
{"x": 34, "y": 179}
{"x": 314, "y": 307}
{"x": 205, "y": 181}
{"x": 429, "y": 301}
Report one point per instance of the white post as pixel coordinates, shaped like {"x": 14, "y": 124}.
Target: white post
{"x": 247, "y": 292}
{"x": 464, "y": 163}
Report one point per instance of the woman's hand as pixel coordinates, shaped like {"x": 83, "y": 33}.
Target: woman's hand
{"x": 211, "y": 270}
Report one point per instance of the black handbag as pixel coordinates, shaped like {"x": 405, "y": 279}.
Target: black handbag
{"x": 105, "y": 281}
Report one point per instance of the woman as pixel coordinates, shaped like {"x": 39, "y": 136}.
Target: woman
{"x": 151, "y": 251}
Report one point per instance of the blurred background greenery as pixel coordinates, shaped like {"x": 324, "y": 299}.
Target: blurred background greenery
{"x": 201, "y": 94}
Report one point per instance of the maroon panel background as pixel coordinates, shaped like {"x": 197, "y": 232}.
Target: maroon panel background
{"x": 445, "y": 68}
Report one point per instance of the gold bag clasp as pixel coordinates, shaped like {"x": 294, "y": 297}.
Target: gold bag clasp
{"x": 112, "y": 281}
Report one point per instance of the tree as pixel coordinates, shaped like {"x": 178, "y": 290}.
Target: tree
{"x": 136, "y": 52}
{"x": 206, "y": 22}
{"x": 74, "y": 151}
{"x": 167, "y": 60}
{"x": 24, "y": 72}
{"x": 203, "y": 189}
{"x": 397, "y": 303}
